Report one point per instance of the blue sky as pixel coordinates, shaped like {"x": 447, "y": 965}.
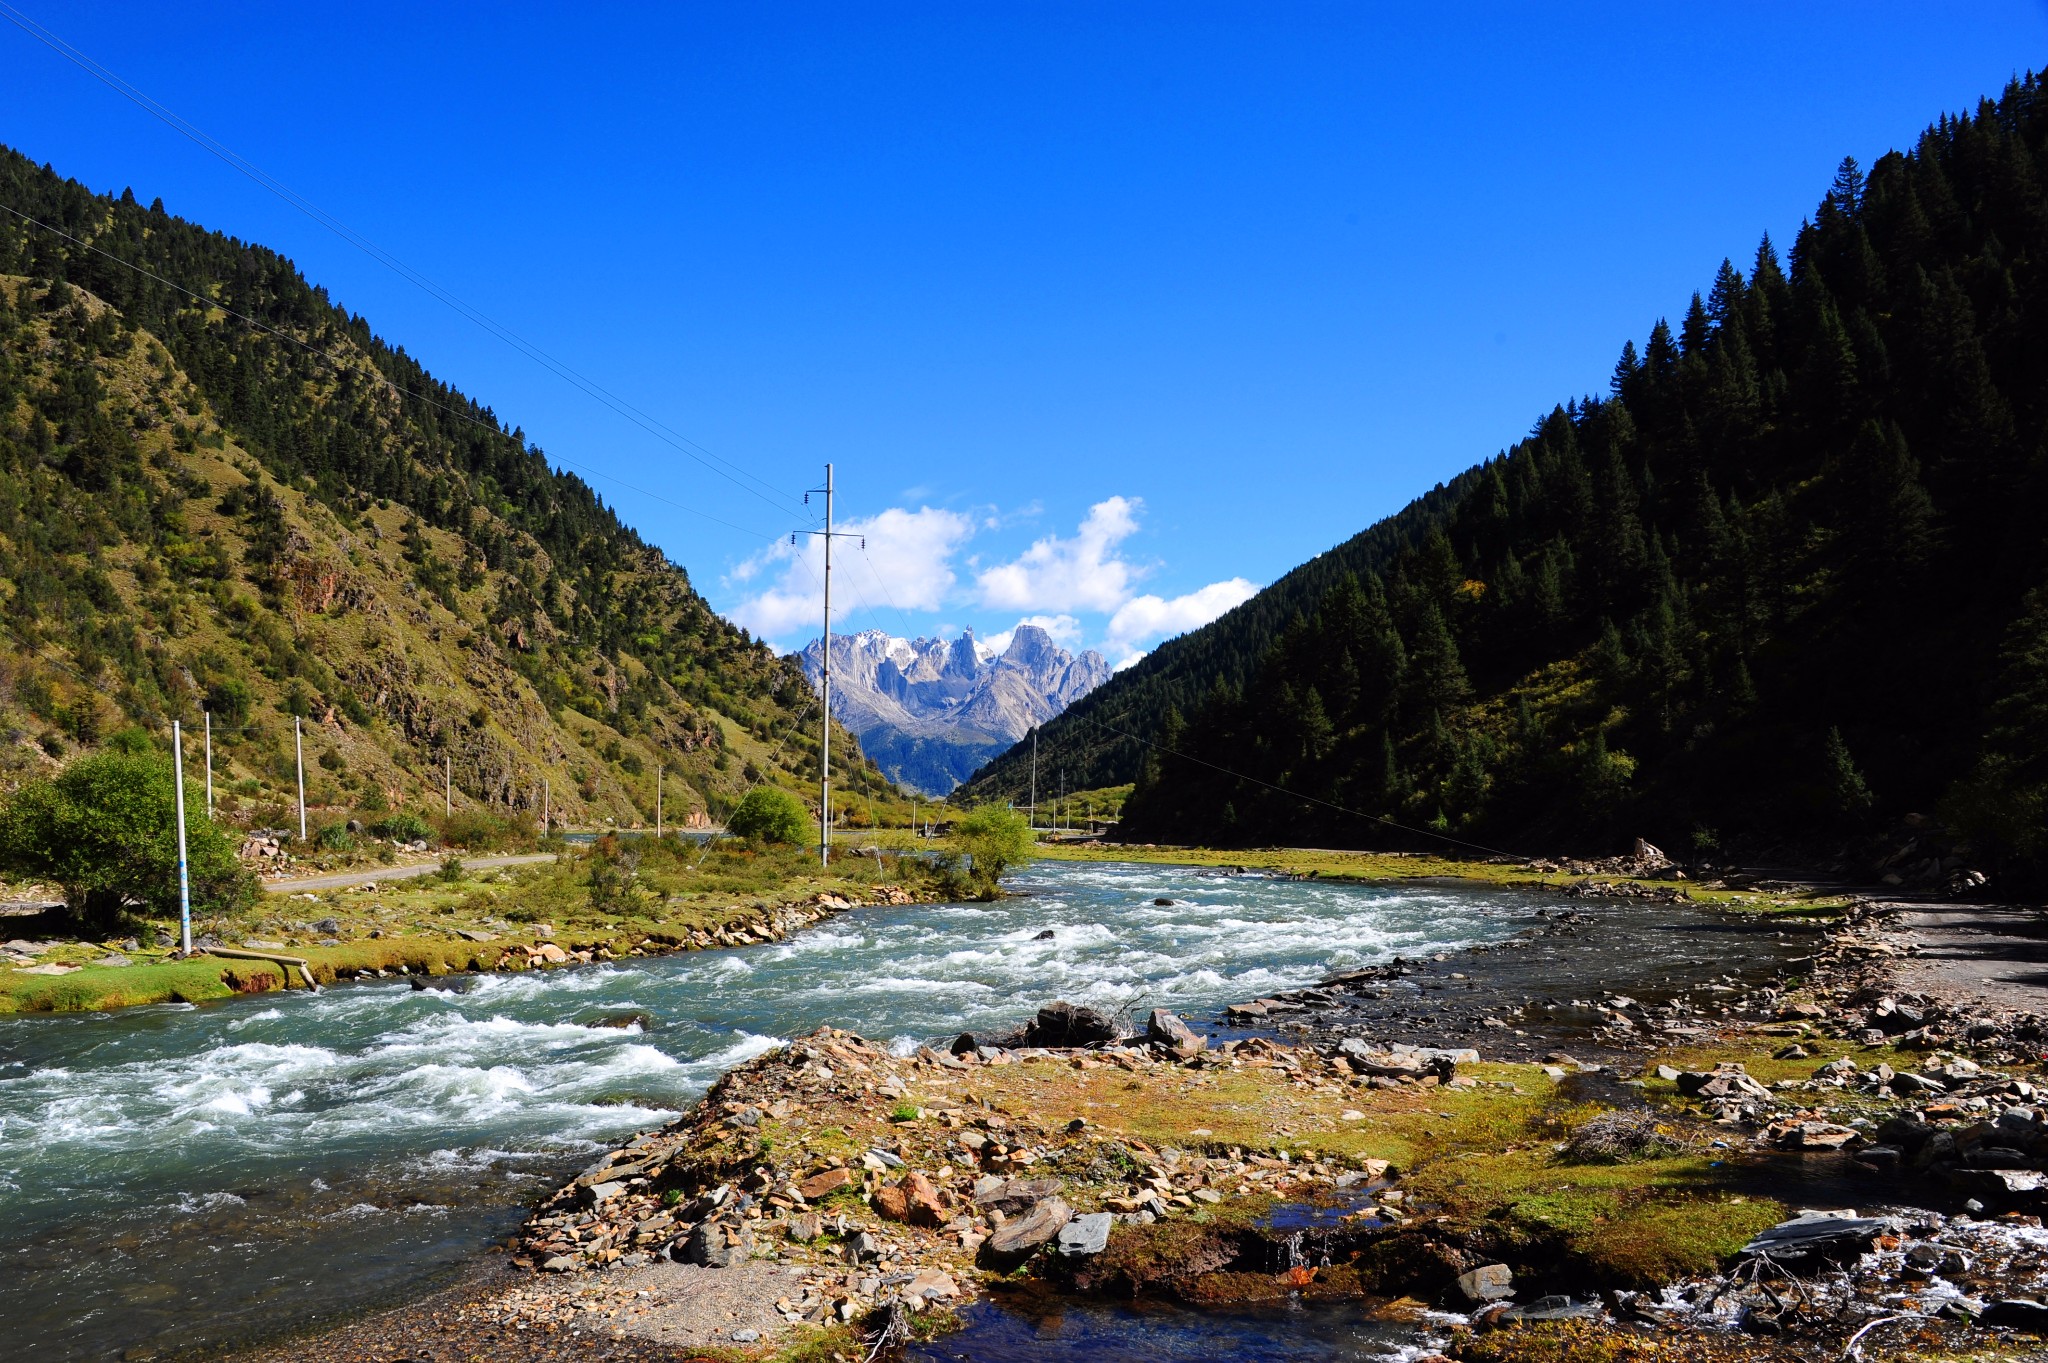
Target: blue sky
{"x": 1106, "y": 313}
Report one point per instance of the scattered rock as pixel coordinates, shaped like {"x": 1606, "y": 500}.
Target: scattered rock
{"x": 1062, "y": 1024}
{"x": 1086, "y": 1235}
{"x": 1019, "y": 1238}
{"x": 1489, "y": 1282}
{"x": 1167, "y": 1032}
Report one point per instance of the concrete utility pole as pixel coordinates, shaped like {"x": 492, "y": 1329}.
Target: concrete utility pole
{"x": 299, "y": 747}
{"x": 209, "y": 764}
{"x": 825, "y": 677}
{"x": 184, "y": 876}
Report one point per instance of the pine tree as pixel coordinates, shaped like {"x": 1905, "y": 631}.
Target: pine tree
{"x": 1848, "y": 795}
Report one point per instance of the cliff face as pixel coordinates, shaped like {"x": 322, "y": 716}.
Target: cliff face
{"x": 928, "y": 711}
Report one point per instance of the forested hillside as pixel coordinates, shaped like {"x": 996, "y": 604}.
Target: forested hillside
{"x": 1786, "y": 578}
{"x": 198, "y": 512}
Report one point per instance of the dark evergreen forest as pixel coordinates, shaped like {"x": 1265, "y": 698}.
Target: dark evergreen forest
{"x": 1784, "y": 580}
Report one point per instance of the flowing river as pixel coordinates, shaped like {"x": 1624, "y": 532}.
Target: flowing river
{"x": 178, "y": 1178}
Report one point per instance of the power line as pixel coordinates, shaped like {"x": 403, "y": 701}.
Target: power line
{"x": 381, "y": 376}
{"x": 1295, "y": 794}
{"x": 724, "y": 468}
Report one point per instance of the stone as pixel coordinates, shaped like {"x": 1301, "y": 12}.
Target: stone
{"x": 1820, "y": 1136}
{"x": 719, "y": 1244}
{"x": 326, "y": 927}
{"x": 2017, "y": 1313}
{"x": 1013, "y": 1194}
{"x": 1086, "y": 1235}
{"x": 597, "y": 1194}
{"x": 561, "y": 1263}
{"x": 476, "y": 935}
{"x": 824, "y": 1183}
{"x": 1488, "y": 1282}
{"x": 1167, "y": 1032}
{"x": 1020, "y": 1237}
{"x": 1554, "y": 1308}
{"x": 1814, "y": 1238}
{"x": 891, "y": 1203}
{"x": 114, "y": 959}
{"x": 931, "y": 1284}
{"x": 924, "y": 1204}
{"x": 806, "y": 1227}
{"x": 1061, "y": 1024}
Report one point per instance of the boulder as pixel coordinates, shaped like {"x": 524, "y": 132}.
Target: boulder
{"x": 1061, "y": 1024}
{"x": 915, "y": 1200}
{"x": 1020, "y": 1237}
{"x": 1086, "y": 1235}
{"x": 719, "y": 1244}
{"x": 1723, "y": 1081}
{"x": 824, "y": 1183}
{"x": 1812, "y": 1239}
{"x": 2017, "y": 1313}
{"x": 1012, "y": 1194}
{"x": 1167, "y": 1032}
{"x": 1488, "y": 1282}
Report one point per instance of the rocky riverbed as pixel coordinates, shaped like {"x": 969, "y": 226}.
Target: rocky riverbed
{"x": 1589, "y": 1169}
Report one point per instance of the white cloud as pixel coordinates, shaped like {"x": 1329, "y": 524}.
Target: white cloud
{"x": 1064, "y": 629}
{"x": 907, "y": 565}
{"x": 1145, "y": 620}
{"x": 1079, "y": 574}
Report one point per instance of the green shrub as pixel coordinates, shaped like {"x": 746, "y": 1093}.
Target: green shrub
{"x": 769, "y": 814}
{"x": 993, "y": 839}
{"x": 404, "y": 826}
{"x": 477, "y": 830}
{"x": 105, "y": 829}
{"x": 335, "y": 837}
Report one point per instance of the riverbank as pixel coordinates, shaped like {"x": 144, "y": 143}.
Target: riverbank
{"x": 871, "y": 1192}
{"x": 518, "y": 914}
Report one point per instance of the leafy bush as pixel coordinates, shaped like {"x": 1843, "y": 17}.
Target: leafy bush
{"x": 993, "y": 839}
{"x": 769, "y": 814}
{"x": 335, "y": 837}
{"x": 105, "y": 829}
{"x": 404, "y": 826}
{"x": 477, "y": 830}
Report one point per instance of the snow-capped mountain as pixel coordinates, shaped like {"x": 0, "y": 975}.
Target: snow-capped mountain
{"x": 929, "y": 711}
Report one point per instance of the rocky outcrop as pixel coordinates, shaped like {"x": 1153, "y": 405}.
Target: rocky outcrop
{"x": 929, "y": 711}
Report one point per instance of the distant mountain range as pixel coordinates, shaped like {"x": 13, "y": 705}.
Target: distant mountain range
{"x": 928, "y": 712}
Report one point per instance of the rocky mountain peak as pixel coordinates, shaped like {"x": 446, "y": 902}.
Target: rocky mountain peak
{"x": 929, "y": 711}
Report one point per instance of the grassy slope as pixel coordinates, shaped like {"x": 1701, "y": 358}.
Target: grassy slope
{"x": 434, "y": 679}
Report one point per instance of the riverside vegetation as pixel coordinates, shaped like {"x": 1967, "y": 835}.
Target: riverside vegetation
{"x": 619, "y": 897}
{"x": 1781, "y": 583}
